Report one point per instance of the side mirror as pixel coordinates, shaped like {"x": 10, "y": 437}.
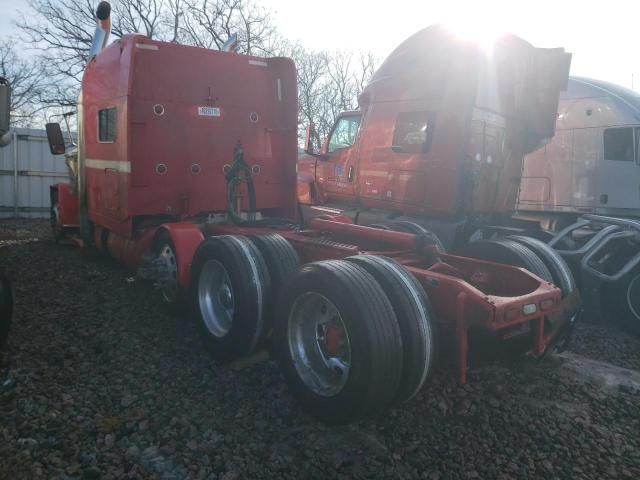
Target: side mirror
{"x": 5, "y": 105}
{"x": 308, "y": 143}
{"x": 308, "y": 138}
{"x": 56, "y": 139}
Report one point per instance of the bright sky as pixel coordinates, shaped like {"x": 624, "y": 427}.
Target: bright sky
{"x": 602, "y": 35}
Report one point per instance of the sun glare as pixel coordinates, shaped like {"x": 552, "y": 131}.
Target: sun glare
{"x": 483, "y": 34}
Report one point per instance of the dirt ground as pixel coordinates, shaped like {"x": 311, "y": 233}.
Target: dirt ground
{"x": 98, "y": 381}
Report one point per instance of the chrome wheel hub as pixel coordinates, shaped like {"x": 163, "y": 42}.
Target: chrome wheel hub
{"x": 319, "y": 344}
{"x": 215, "y": 298}
{"x": 166, "y": 273}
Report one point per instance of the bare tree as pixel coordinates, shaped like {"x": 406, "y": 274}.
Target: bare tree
{"x": 148, "y": 17}
{"x": 26, "y": 78}
{"x": 328, "y": 84}
{"x": 172, "y": 18}
{"x": 61, "y": 31}
{"x": 209, "y": 23}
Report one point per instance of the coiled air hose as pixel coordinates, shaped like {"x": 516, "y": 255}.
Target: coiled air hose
{"x": 241, "y": 173}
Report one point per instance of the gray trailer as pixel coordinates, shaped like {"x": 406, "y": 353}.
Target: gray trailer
{"x": 592, "y": 165}
{"x": 583, "y": 189}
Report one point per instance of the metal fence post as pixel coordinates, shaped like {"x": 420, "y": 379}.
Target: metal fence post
{"x": 15, "y": 173}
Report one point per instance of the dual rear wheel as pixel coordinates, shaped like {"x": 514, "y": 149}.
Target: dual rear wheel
{"x": 352, "y": 336}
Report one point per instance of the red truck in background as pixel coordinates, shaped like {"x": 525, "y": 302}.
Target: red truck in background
{"x": 441, "y": 131}
{"x": 437, "y": 147}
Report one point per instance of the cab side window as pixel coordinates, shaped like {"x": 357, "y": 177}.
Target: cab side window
{"x": 413, "y": 132}
{"x": 107, "y": 125}
{"x": 344, "y": 133}
{"x": 618, "y": 144}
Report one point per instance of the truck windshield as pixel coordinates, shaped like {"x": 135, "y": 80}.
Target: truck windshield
{"x": 344, "y": 133}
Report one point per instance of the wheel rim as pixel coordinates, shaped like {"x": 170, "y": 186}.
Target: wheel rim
{"x": 167, "y": 273}
{"x": 319, "y": 344}
{"x": 216, "y": 299}
{"x": 633, "y": 297}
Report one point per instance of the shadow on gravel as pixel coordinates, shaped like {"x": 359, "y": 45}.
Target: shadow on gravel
{"x": 102, "y": 383}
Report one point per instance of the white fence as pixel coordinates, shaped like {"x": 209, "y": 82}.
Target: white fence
{"x": 27, "y": 169}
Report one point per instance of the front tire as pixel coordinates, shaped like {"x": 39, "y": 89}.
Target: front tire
{"x": 338, "y": 342}
{"x": 57, "y": 231}
{"x": 165, "y": 260}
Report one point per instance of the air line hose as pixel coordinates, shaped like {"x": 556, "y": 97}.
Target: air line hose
{"x": 237, "y": 174}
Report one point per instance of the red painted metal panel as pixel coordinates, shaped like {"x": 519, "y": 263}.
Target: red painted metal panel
{"x": 67, "y": 205}
{"x": 130, "y": 250}
{"x": 177, "y": 127}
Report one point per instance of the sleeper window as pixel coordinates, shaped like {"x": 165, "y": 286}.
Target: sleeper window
{"x": 413, "y": 132}
{"x": 618, "y": 144}
{"x": 107, "y": 125}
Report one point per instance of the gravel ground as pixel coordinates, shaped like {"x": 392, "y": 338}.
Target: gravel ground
{"x": 99, "y": 382}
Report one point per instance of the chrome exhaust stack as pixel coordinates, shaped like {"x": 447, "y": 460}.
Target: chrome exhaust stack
{"x": 103, "y": 29}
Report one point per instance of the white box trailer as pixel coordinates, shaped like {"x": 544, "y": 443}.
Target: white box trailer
{"x": 583, "y": 188}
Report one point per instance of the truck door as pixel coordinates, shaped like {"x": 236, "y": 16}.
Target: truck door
{"x": 337, "y": 174}
{"x": 618, "y": 181}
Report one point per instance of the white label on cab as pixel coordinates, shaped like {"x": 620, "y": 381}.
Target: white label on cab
{"x": 209, "y": 111}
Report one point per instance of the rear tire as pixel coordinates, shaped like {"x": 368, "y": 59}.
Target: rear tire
{"x": 411, "y": 227}
{"x": 282, "y": 262}
{"x": 415, "y": 319}
{"x": 508, "y": 252}
{"x": 230, "y": 286}
{"x": 560, "y": 271}
{"x": 562, "y": 277}
{"x": 513, "y": 253}
{"x": 338, "y": 342}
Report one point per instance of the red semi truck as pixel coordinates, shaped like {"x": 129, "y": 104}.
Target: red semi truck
{"x": 185, "y": 170}
{"x": 437, "y": 147}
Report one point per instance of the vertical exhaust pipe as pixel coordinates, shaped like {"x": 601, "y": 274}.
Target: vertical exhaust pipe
{"x": 103, "y": 29}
